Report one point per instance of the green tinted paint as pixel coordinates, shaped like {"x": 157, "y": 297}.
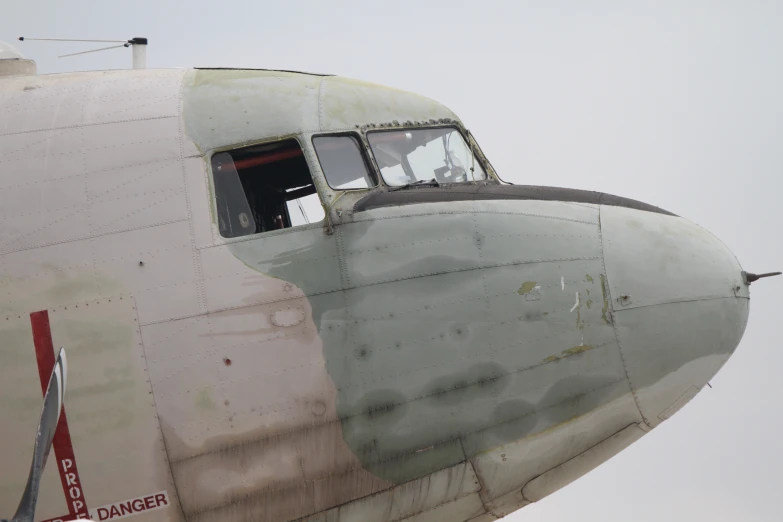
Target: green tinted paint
{"x": 204, "y": 400}
{"x": 526, "y": 287}
{"x": 406, "y": 334}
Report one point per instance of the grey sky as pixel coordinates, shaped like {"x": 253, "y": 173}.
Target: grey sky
{"x": 678, "y": 104}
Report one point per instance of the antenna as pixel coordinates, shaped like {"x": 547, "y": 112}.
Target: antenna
{"x": 138, "y": 45}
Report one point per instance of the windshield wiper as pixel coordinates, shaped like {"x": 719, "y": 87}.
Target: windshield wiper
{"x": 421, "y": 183}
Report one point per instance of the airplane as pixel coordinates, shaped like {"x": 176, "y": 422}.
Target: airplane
{"x": 299, "y": 296}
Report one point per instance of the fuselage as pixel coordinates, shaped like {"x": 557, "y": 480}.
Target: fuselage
{"x": 442, "y": 351}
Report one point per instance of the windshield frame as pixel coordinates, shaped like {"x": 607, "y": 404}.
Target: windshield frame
{"x": 468, "y": 144}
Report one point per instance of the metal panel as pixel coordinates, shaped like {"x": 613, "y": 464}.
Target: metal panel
{"x": 50, "y": 212}
{"x": 505, "y": 469}
{"x": 200, "y": 202}
{"x": 37, "y": 103}
{"x": 543, "y": 312}
{"x": 88, "y": 98}
{"x": 168, "y": 302}
{"x": 347, "y": 103}
{"x": 670, "y": 349}
{"x": 155, "y": 257}
{"x": 653, "y": 258}
{"x": 236, "y": 106}
{"x": 508, "y": 232}
{"x": 165, "y": 277}
{"x": 237, "y": 273}
{"x": 137, "y": 95}
{"x": 143, "y": 178}
{"x": 129, "y": 143}
{"x": 110, "y": 409}
{"x": 387, "y": 250}
{"x": 225, "y": 107}
{"x": 432, "y": 491}
{"x": 451, "y": 491}
{"x": 559, "y": 477}
{"x": 251, "y": 359}
{"x": 266, "y": 420}
{"x": 463, "y": 508}
{"x": 21, "y": 410}
{"x": 34, "y": 157}
{"x": 52, "y": 276}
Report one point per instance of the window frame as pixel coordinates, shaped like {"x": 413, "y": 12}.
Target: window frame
{"x": 477, "y": 154}
{"x": 217, "y": 235}
{"x": 366, "y": 154}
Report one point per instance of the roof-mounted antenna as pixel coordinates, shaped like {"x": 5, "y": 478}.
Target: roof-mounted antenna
{"x": 139, "y": 46}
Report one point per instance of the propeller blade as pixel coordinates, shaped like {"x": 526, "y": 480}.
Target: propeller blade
{"x": 50, "y": 416}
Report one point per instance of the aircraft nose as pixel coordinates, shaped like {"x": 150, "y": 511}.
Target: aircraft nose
{"x": 680, "y": 305}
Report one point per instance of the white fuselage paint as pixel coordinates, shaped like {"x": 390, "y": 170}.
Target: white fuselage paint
{"x": 106, "y": 222}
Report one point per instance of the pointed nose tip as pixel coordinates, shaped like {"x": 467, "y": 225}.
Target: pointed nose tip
{"x": 680, "y": 305}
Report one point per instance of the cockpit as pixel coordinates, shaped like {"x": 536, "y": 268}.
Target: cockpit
{"x": 417, "y": 155}
{"x": 272, "y": 186}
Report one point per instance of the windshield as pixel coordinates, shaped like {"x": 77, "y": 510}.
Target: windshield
{"x": 408, "y": 156}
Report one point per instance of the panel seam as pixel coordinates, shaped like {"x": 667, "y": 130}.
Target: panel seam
{"x": 482, "y": 492}
{"x": 614, "y": 322}
{"x": 320, "y": 103}
{"x": 155, "y": 405}
{"x": 79, "y": 125}
{"x": 680, "y": 301}
{"x": 196, "y": 254}
{"x": 374, "y": 283}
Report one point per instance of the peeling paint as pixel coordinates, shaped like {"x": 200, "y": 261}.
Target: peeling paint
{"x": 578, "y": 307}
{"x": 576, "y": 304}
{"x": 568, "y": 353}
{"x": 605, "y": 309}
{"x": 576, "y": 349}
{"x": 562, "y": 283}
{"x": 589, "y": 278}
{"x": 589, "y": 303}
{"x": 526, "y": 287}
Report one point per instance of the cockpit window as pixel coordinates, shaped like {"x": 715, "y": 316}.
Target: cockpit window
{"x": 263, "y": 188}
{"x": 408, "y": 156}
{"x": 343, "y": 163}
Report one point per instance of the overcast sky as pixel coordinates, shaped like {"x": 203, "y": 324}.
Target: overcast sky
{"x": 678, "y": 104}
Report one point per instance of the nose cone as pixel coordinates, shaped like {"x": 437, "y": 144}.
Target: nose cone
{"x": 680, "y": 305}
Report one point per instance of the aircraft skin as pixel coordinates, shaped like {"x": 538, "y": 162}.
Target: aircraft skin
{"x": 430, "y": 353}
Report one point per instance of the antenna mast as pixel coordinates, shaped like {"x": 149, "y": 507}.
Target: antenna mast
{"x": 138, "y": 45}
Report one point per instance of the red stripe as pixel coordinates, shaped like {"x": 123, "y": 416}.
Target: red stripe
{"x": 63, "y": 449}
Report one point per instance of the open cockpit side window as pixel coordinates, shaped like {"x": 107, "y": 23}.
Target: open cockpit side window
{"x": 263, "y": 188}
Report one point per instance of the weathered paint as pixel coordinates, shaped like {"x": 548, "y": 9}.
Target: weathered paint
{"x": 224, "y": 107}
{"x": 369, "y": 372}
{"x": 605, "y": 308}
{"x": 526, "y": 287}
